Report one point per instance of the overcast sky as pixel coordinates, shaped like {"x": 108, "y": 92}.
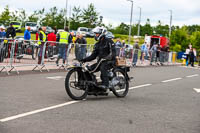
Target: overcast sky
{"x": 116, "y": 11}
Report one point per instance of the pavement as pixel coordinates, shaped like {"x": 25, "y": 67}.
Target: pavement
{"x": 161, "y": 100}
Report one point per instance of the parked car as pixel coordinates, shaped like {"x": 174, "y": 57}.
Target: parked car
{"x": 109, "y": 35}
{"x": 83, "y": 31}
{"x": 48, "y": 30}
{"x": 90, "y": 33}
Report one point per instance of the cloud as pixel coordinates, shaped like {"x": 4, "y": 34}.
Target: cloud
{"x": 117, "y": 11}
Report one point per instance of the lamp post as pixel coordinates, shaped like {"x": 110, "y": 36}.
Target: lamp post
{"x": 69, "y": 20}
{"x": 101, "y": 19}
{"x": 65, "y": 13}
{"x": 138, "y": 34}
{"x": 129, "y": 39}
{"x": 170, "y": 26}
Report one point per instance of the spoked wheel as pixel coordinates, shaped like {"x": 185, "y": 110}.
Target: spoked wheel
{"x": 73, "y": 86}
{"x": 121, "y": 87}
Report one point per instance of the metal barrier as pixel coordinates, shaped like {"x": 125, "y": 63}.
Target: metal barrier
{"x": 7, "y": 49}
{"x": 136, "y": 56}
{"x": 16, "y": 54}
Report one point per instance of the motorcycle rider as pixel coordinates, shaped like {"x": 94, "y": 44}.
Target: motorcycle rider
{"x": 104, "y": 52}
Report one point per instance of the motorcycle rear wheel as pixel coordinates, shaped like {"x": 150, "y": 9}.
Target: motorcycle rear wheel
{"x": 122, "y": 88}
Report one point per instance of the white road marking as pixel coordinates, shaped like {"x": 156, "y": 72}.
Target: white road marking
{"x": 169, "y": 80}
{"x": 56, "y": 77}
{"x": 190, "y": 76}
{"x": 197, "y": 90}
{"x": 135, "y": 87}
{"x": 36, "y": 111}
{"x": 139, "y": 86}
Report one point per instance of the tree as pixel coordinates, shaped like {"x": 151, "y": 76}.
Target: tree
{"x": 195, "y": 40}
{"x": 122, "y": 29}
{"x": 76, "y": 18}
{"x": 90, "y": 16}
{"x": 147, "y": 29}
{"x": 161, "y": 29}
{"x": 5, "y": 16}
{"x": 14, "y": 16}
{"x": 180, "y": 37}
{"x": 22, "y": 17}
{"x": 33, "y": 17}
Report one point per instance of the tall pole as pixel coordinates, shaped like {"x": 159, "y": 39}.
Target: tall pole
{"x": 129, "y": 39}
{"x": 170, "y": 26}
{"x": 65, "y": 13}
{"x": 69, "y": 20}
{"x": 138, "y": 34}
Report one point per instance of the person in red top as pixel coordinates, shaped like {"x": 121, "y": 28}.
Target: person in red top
{"x": 52, "y": 38}
{"x": 51, "y": 47}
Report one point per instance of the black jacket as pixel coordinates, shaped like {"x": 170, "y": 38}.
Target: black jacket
{"x": 10, "y": 31}
{"x": 102, "y": 49}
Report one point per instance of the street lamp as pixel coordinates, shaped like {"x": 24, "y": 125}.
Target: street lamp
{"x": 65, "y": 13}
{"x": 170, "y": 27}
{"x": 129, "y": 39}
{"x": 101, "y": 19}
{"x": 138, "y": 34}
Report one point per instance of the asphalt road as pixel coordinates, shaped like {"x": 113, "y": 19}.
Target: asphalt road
{"x": 161, "y": 100}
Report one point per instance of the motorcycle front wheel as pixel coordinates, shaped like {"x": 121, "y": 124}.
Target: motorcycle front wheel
{"x": 73, "y": 87}
{"x": 122, "y": 87}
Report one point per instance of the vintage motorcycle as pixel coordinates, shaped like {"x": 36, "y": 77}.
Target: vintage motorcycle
{"x": 80, "y": 81}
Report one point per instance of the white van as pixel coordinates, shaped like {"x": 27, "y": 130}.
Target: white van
{"x": 33, "y": 25}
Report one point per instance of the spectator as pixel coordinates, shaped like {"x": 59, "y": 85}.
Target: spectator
{"x": 2, "y": 34}
{"x": 143, "y": 52}
{"x": 81, "y": 47}
{"x": 51, "y": 45}
{"x": 118, "y": 46}
{"x": 195, "y": 54}
{"x": 187, "y": 51}
{"x": 10, "y": 32}
{"x": 162, "y": 55}
{"x": 198, "y": 57}
{"x": 52, "y": 38}
{"x": 27, "y": 34}
{"x": 41, "y": 41}
{"x": 153, "y": 53}
{"x": 191, "y": 55}
{"x": 55, "y": 30}
{"x": 135, "y": 53}
{"x": 158, "y": 54}
{"x": 73, "y": 43}
{"x": 122, "y": 51}
{"x": 64, "y": 39}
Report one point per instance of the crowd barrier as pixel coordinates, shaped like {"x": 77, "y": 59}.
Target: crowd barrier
{"x": 137, "y": 56}
{"x": 15, "y": 54}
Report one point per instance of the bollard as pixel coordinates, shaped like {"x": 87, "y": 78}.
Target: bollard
{"x": 174, "y": 57}
{"x": 184, "y": 62}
